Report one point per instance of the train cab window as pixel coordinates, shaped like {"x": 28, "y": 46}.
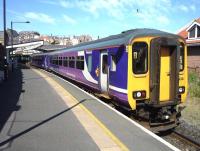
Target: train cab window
{"x": 89, "y": 65}
{"x": 140, "y": 55}
{"x": 113, "y": 63}
{"x": 80, "y": 62}
{"x": 181, "y": 60}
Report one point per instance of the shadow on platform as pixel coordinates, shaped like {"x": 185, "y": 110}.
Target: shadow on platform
{"x": 10, "y": 94}
{"x": 39, "y": 124}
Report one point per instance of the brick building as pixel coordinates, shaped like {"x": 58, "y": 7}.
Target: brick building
{"x": 191, "y": 33}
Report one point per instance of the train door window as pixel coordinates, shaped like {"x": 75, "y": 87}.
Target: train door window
{"x": 89, "y": 65}
{"x": 113, "y": 63}
{"x": 181, "y": 60}
{"x": 105, "y": 64}
{"x": 140, "y": 56}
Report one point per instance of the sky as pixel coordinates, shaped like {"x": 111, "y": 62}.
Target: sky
{"x": 99, "y": 17}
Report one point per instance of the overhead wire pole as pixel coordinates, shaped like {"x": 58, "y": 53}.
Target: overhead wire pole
{"x": 5, "y": 42}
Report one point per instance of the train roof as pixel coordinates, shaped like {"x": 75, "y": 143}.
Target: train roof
{"x": 123, "y": 38}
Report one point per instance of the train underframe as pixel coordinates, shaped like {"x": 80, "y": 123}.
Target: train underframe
{"x": 160, "y": 117}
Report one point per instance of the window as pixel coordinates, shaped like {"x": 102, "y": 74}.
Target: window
{"x": 71, "y": 62}
{"x": 80, "y": 62}
{"x": 140, "y": 55}
{"x": 192, "y": 32}
{"x": 181, "y": 60}
{"x": 56, "y": 62}
{"x": 113, "y": 63}
{"x": 65, "y": 63}
{"x": 105, "y": 64}
{"x": 198, "y": 31}
{"x": 89, "y": 65}
{"x": 60, "y": 61}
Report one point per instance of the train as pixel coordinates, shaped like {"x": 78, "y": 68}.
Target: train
{"x": 141, "y": 70}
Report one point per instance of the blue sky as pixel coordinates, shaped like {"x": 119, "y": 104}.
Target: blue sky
{"x": 99, "y": 17}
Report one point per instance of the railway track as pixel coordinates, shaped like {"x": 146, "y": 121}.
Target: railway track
{"x": 186, "y": 140}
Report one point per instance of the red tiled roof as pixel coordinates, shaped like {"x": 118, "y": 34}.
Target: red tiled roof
{"x": 198, "y": 20}
{"x": 183, "y": 33}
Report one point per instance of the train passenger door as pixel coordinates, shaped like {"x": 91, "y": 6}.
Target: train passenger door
{"x": 164, "y": 70}
{"x": 165, "y": 74}
{"x": 104, "y": 71}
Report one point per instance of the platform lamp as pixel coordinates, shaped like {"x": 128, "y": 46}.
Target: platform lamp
{"x": 15, "y": 22}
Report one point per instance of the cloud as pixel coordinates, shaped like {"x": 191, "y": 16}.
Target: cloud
{"x": 184, "y": 8}
{"x": 65, "y": 3}
{"x": 187, "y": 9}
{"x": 163, "y": 20}
{"x": 69, "y": 19}
{"x": 62, "y": 3}
{"x": 40, "y": 17}
{"x": 193, "y": 7}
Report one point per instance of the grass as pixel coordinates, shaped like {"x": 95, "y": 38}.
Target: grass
{"x": 191, "y": 114}
{"x": 194, "y": 85}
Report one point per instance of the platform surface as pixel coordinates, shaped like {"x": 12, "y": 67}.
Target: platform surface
{"x": 39, "y": 111}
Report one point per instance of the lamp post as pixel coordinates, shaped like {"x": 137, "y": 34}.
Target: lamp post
{"x": 12, "y": 38}
{"x": 5, "y": 63}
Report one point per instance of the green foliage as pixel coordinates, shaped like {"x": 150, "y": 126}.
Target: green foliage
{"x": 194, "y": 84}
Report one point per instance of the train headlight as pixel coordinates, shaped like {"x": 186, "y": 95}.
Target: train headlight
{"x": 139, "y": 94}
{"x": 181, "y": 89}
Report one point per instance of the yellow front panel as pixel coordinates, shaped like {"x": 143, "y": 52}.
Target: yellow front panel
{"x": 165, "y": 74}
{"x": 140, "y": 81}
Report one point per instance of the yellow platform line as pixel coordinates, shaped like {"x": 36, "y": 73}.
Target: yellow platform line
{"x": 101, "y": 135}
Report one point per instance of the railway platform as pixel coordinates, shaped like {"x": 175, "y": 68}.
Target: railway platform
{"x": 40, "y": 111}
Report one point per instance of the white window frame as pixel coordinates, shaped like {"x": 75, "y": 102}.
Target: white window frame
{"x": 196, "y": 29}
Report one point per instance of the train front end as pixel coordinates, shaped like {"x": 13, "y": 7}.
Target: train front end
{"x": 157, "y": 79}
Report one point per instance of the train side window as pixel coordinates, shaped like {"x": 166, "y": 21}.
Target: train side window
{"x": 181, "y": 60}
{"x": 71, "y": 62}
{"x": 77, "y": 62}
{"x": 89, "y": 65}
{"x": 140, "y": 56}
{"x": 60, "y": 61}
{"x": 66, "y": 62}
{"x": 113, "y": 63}
{"x": 80, "y": 62}
{"x": 56, "y": 60}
